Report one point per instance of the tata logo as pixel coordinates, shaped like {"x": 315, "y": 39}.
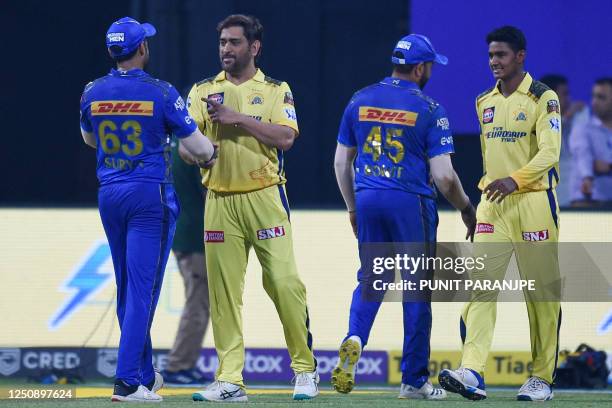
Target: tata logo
{"x": 10, "y": 361}
{"x": 269, "y": 233}
{"x": 400, "y": 117}
{"x": 483, "y": 228}
{"x": 535, "y": 236}
{"x": 214, "y": 236}
{"x": 132, "y": 108}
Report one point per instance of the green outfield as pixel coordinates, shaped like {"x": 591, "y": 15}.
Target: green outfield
{"x": 329, "y": 399}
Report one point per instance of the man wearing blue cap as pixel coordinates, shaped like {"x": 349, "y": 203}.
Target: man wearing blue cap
{"x": 127, "y": 117}
{"x": 392, "y": 141}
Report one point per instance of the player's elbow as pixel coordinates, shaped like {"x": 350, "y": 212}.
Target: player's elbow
{"x": 286, "y": 140}
{"x": 444, "y": 181}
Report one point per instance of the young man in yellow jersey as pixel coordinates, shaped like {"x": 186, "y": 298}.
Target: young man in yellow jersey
{"x": 520, "y": 138}
{"x": 252, "y": 120}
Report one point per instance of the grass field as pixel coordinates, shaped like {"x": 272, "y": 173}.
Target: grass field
{"x": 328, "y": 399}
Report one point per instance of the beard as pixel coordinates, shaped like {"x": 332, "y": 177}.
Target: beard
{"x": 238, "y": 64}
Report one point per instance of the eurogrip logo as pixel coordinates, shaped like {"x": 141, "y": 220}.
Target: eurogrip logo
{"x": 88, "y": 278}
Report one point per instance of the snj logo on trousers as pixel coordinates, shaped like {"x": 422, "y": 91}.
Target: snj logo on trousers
{"x": 483, "y": 228}
{"x": 269, "y": 233}
{"x": 214, "y": 236}
{"x": 535, "y": 236}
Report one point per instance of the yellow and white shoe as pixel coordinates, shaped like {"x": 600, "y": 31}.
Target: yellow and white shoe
{"x": 343, "y": 376}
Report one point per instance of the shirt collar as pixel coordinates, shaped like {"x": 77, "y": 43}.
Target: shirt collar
{"x": 402, "y": 83}
{"x": 131, "y": 73}
{"x": 259, "y": 76}
{"x": 523, "y": 86}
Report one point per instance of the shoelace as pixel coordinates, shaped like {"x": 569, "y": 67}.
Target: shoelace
{"x": 534, "y": 384}
{"x": 301, "y": 379}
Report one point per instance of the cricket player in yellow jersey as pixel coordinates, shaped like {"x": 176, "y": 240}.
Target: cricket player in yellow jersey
{"x": 521, "y": 140}
{"x": 252, "y": 120}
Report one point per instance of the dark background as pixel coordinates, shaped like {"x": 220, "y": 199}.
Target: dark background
{"x": 325, "y": 50}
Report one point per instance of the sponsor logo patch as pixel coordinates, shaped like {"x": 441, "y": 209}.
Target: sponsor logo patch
{"x": 217, "y": 97}
{"x": 400, "y": 117}
{"x": 488, "y": 114}
{"x": 505, "y": 135}
{"x": 269, "y": 233}
{"x": 132, "y": 108}
{"x": 555, "y": 124}
{"x": 535, "y": 236}
{"x": 484, "y": 228}
{"x": 443, "y": 124}
{"x": 116, "y": 37}
{"x": 552, "y": 106}
{"x": 446, "y": 141}
{"x": 214, "y": 236}
{"x": 290, "y": 113}
{"x": 288, "y": 100}
{"x": 179, "y": 104}
{"x": 521, "y": 117}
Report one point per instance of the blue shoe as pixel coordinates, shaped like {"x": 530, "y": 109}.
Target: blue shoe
{"x": 184, "y": 377}
{"x": 464, "y": 381}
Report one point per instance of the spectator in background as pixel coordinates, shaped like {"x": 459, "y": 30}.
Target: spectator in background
{"x": 188, "y": 248}
{"x": 573, "y": 113}
{"x": 591, "y": 148}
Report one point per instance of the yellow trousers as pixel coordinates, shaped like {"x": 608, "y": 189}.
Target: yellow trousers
{"x": 527, "y": 225}
{"x": 233, "y": 224}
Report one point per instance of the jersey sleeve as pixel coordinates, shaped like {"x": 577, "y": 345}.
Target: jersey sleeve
{"x": 283, "y": 111}
{"x": 177, "y": 116}
{"x": 548, "y": 136}
{"x": 346, "y": 133}
{"x": 196, "y": 108}
{"x": 439, "y": 136}
{"x": 84, "y": 111}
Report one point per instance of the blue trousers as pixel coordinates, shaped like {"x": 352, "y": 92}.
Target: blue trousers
{"x": 387, "y": 216}
{"x": 139, "y": 221}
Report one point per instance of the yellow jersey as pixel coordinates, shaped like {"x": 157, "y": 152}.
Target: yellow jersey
{"x": 244, "y": 163}
{"x": 520, "y": 135}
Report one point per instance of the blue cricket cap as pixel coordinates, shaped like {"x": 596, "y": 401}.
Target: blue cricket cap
{"x": 126, "y": 34}
{"x": 416, "y": 48}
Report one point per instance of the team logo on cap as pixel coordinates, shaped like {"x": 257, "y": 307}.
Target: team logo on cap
{"x": 488, "y": 114}
{"x": 404, "y": 45}
{"x": 116, "y": 37}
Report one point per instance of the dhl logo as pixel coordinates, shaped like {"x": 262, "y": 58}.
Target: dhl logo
{"x": 136, "y": 108}
{"x": 400, "y": 117}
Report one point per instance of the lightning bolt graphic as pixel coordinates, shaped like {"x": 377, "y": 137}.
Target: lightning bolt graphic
{"x": 85, "y": 281}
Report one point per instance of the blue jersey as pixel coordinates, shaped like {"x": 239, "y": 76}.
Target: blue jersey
{"x": 132, "y": 115}
{"x": 396, "y": 129}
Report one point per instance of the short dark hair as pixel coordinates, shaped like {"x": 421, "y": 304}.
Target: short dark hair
{"x": 509, "y": 34}
{"x": 553, "y": 81}
{"x": 253, "y": 30}
{"x": 604, "y": 81}
{"x": 405, "y": 69}
{"x": 117, "y": 48}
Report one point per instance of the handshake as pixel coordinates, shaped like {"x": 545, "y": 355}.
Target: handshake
{"x": 193, "y": 160}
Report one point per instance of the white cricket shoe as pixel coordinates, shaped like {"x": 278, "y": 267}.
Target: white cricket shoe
{"x": 343, "y": 375}
{"x": 157, "y": 384}
{"x": 221, "y": 391}
{"x": 535, "y": 389}
{"x": 464, "y": 381}
{"x": 306, "y": 386}
{"x": 142, "y": 394}
{"x": 427, "y": 391}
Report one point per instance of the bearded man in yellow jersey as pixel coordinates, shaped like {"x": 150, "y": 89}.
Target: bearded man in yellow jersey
{"x": 518, "y": 213}
{"x": 252, "y": 120}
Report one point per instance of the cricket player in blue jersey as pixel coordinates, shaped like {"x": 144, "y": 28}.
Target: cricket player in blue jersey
{"x": 393, "y": 140}
{"x": 127, "y": 116}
